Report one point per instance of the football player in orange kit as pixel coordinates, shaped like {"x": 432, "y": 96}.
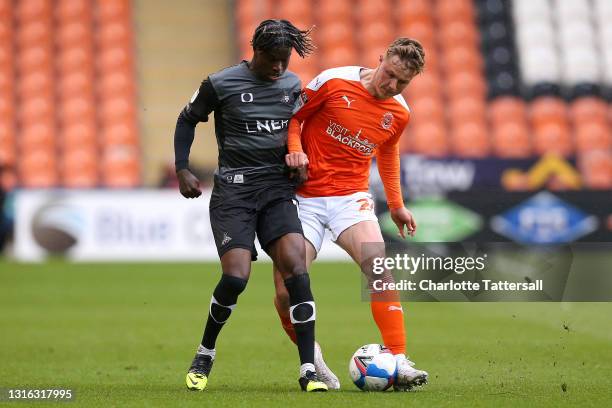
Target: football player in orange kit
{"x": 343, "y": 118}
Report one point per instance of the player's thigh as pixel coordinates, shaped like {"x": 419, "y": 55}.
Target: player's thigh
{"x": 234, "y": 226}
{"x": 354, "y": 226}
{"x": 277, "y": 219}
{"x": 313, "y": 216}
{"x": 363, "y": 241}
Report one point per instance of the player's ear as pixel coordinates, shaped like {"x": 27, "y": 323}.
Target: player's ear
{"x": 380, "y": 58}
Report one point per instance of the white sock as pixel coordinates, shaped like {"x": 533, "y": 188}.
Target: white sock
{"x": 206, "y": 352}
{"x": 306, "y": 367}
{"x": 399, "y": 357}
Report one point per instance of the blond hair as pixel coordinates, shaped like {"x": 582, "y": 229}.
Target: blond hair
{"x": 410, "y": 51}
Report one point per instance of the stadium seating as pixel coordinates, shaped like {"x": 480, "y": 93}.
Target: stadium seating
{"x": 507, "y": 79}
{"x": 67, "y": 82}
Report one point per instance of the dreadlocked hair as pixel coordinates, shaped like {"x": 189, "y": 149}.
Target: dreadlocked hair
{"x": 281, "y": 33}
{"x": 410, "y": 52}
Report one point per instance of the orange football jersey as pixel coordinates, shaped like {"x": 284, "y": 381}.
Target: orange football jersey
{"x": 343, "y": 127}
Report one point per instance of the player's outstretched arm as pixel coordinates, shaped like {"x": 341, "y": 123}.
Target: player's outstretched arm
{"x": 202, "y": 103}
{"x": 189, "y": 185}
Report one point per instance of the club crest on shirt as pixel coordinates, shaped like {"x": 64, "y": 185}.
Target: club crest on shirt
{"x": 285, "y": 98}
{"x": 387, "y": 120}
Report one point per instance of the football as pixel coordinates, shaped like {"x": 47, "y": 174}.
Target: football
{"x": 373, "y": 368}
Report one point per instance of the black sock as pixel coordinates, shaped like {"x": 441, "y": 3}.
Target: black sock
{"x": 302, "y": 313}
{"x": 222, "y": 303}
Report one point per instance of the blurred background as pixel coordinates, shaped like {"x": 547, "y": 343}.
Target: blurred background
{"x": 510, "y": 136}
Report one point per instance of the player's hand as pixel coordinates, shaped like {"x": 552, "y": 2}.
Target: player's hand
{"x": 189, "y": 185}
{"x": 296, "y": 160}
{"x": 298, "y": 166}
{"x": 402, "y": 217}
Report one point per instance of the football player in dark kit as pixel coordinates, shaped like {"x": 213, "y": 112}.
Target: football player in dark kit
{"x": 253, "y": 191}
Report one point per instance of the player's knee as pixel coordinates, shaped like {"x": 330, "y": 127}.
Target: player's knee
{"x": 235, "y": 284}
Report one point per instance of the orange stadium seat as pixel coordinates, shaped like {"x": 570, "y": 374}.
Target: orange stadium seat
{"x": 8, "y": 179}
{"x": 7, "y": 78}
{"x": 109, "y": 10}
{"x": 368, "y": 11}
{"x": 7, "y": 143}
{"x": 426, "y": 84}
{"x": 376, "y": 35}
{"x": 121, "y": 81}
{"x": 328, "y": 12}
{"x": 470, "y": 139}
{"x": 37, "y": 168}
{"x": 73, "y": 33}
{"x": 34, "y": 58}
{"x": 75, "y": 57}
{"x": 6, "y": 8}
{"x": 453, "y": 10}
{"x": 122, "y": 133}
{"x": 120, "y": 168}
{"x": 305, "y": 68}
{"x": 593, "y": 135}
{"x": 249, "y": 13}
{"x": 414, "y": 10}
{"x": 40, "y": 107}
{"x": 419, "y": 30}
{"x": 32, "y": 9}
{"x": 114, "y": 32}
{"x": 115, "y": 57}
{"x": 298, "y": 12}
{"x": 66, "y": 10}
{"x": 553, "y": 137}
{"x": 7, "y": 107}
{"x": 35, "y": 82}
{"x": 589, "y": 109}
{"x": 511, "y": 139}
{"x": 546, "y": 109}
{"x": 33, "y": 33}
{"x": 458, "y": 32}
{"x": 37, "y": 135}
{"x": 76, "y": 108}
{"x": 79, "y": 167}
{"x": 465, "y": 83}
{"x": 430, "y": 139}
{"x": 427, "y": 109}
{"x": 467, "y": 109}
{"x": 507, "y": 109}
{"x": 117, "y": 108}
{"x": 596, "y": 169}
{"x": 339, "y": 57}
{"x": 335, "y": 35}
{"x": 78, "y": 133}
{"x": 76, "y": 82}
{"x": 462, "y": 57}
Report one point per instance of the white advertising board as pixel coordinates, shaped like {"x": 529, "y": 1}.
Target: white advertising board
{"x": 111, "y": 225}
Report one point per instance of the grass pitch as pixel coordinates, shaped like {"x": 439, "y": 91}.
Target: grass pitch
{"x": 124, "y": 335}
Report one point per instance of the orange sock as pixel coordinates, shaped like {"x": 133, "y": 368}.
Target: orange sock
{"x": 286, "y": 321}
{"x": 389, "y": 317}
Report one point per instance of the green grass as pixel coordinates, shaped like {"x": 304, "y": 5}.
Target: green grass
{"x": 124, "y": 334}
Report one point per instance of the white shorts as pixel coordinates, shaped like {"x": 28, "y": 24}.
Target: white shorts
{"x": 333, "y": 213}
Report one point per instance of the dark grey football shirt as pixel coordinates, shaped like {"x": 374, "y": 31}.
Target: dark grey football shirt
{"x": 251, "y": 119}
